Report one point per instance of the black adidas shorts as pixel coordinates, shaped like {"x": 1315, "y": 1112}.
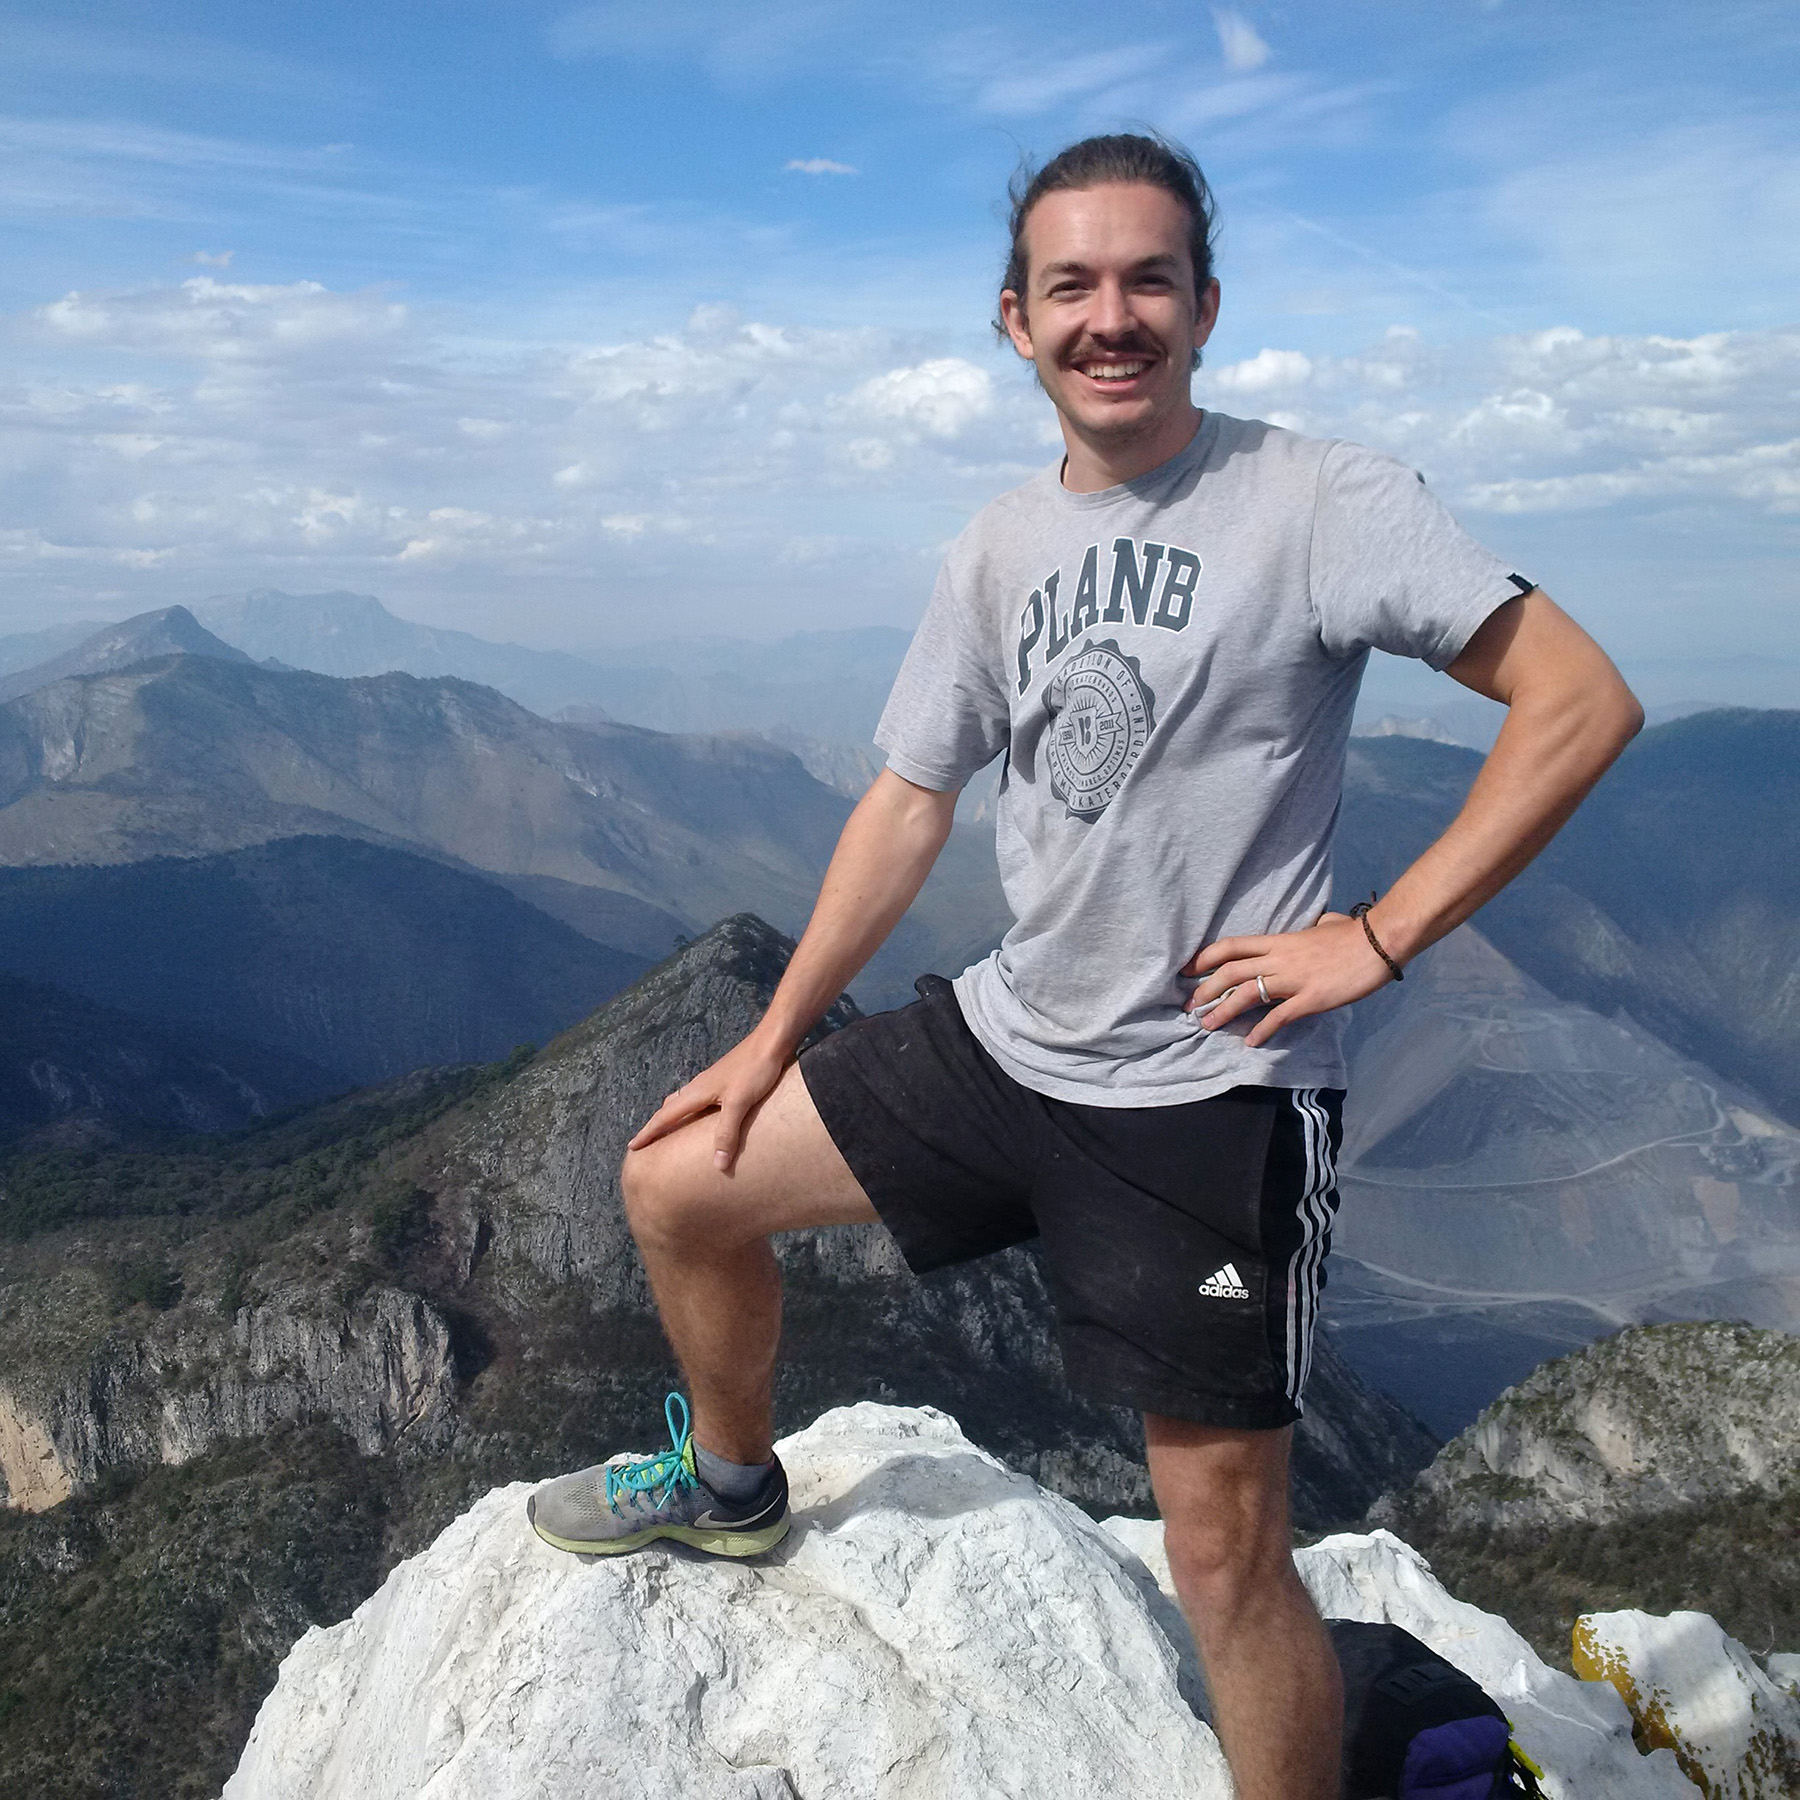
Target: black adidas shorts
{"x": 1186, "y": 1244}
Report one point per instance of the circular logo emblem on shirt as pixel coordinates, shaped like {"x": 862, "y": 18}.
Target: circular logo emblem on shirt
{"x": 1101, "y": 716}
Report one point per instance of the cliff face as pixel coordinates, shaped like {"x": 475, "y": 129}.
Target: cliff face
{"x": 1657, "y": 1418}
{"x": 380, "y": 1370}
{"x": 1656, "y": 1471}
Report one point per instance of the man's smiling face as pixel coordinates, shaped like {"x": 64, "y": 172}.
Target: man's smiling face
{"x": 1110, "y": 316}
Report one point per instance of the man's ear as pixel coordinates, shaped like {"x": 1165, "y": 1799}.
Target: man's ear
{"x": 1206, "y": 314}
{"x": 1012, "y": 316}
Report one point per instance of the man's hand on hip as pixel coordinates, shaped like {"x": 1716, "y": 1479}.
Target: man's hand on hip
{"x": 1568, "y": 716}
{"x": 1301, "y": 972}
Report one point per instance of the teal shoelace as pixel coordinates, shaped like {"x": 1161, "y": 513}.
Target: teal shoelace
{"x": 671, "y": 1471}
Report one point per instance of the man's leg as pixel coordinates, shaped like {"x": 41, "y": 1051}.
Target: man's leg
{"x": 1276, "y": 1692}
{"x": 704, "y": 1237}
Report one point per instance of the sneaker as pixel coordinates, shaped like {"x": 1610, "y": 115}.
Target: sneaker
{"x": 631, "y": 1501}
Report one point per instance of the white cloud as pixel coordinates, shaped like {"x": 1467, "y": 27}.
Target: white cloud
{"x": 1558, "y": 421}
{"x": 221, "y": 434}
{"x": 1266, "y": 369}
{"x": 818, "y": 165}
{"x": 941, "y": 398}
{"x": 210, "y": 435}
{"x": 1242, "y": 48}
{"x": 214, "y": 259}
{"x": 222, "y": 321}
{"x": 1762, "y": 475}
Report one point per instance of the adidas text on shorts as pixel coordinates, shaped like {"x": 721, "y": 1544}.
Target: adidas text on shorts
{"x": 1185, "y": 1245}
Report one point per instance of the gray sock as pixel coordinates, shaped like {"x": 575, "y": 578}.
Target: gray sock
{"x": 729, "y": 1480}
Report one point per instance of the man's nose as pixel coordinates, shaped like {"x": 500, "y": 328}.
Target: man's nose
{"x": 1110, "y": 313}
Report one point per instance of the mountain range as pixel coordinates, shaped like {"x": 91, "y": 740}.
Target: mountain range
{"x": 1521, "y": 1174}
{"x": 172, "y": 632}
{"x": 826, "y": 685}
{"x": 1574, "y": 1114}
{"x": 1669, "y": 895}
{"x": 202, "y": 754}
{"x": 73, "y": 1072}
{"x": 1577, "y": 1112}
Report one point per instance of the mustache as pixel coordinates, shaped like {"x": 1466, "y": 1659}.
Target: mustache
{"x": 1133, "y": 346}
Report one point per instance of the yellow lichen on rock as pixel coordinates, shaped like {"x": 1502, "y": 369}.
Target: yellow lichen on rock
{"x": 1595, "y": 1661}
{"x": 1692, "y": 1689}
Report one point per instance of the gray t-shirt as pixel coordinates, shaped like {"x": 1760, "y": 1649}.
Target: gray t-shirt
{"x": 1170, "y": 667}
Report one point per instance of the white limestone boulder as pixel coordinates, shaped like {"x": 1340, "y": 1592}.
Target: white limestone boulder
{"x": 1578, "y": 1731}
{"x": 1695, "y": 1689}
{"x": 935, "y": 1625}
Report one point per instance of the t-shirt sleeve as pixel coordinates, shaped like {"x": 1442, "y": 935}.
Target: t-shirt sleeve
{"x": 1390, "y": 569}
{"x": 947, "y": 715}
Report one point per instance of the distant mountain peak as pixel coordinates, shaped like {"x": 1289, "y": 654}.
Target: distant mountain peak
{"x": 262, "y": 607}
{"x": 169, "y": 631}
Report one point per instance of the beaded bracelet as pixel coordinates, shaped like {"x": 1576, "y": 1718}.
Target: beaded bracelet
{"x": 1360, "y": 911}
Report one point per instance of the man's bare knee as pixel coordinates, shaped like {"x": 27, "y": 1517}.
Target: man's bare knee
{"x": 661, "y": 1203}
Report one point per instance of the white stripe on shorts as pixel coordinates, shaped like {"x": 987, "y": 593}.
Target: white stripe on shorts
{"x": 1308, "y": 1260}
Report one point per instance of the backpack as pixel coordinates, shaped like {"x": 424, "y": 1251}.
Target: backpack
{"x": 1417, "y": 1728}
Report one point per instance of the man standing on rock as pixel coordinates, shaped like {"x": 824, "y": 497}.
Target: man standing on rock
{"x": 1163, "y": 635}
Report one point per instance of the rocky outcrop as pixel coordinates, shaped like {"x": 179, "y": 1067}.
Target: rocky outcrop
{"x": 1656, "y": 1418}
{"x": 1697, "y": 1692}
{"x": 936, "y": 1625}
{"x": 533, "y": 1180}
{"x": 382, "y": 1371}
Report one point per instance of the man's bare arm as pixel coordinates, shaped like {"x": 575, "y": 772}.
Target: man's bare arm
{"x": 1569, "y": 714}
{"x": 882, "y": 858}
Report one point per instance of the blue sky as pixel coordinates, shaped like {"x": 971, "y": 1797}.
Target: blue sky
{"x": 577, "y": 324}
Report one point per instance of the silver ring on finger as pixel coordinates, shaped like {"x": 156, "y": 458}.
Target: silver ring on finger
{"x": 1262, "y": 988}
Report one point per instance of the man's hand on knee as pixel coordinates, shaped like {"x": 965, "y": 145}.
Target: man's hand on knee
{"x": 735, "y": 1086}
